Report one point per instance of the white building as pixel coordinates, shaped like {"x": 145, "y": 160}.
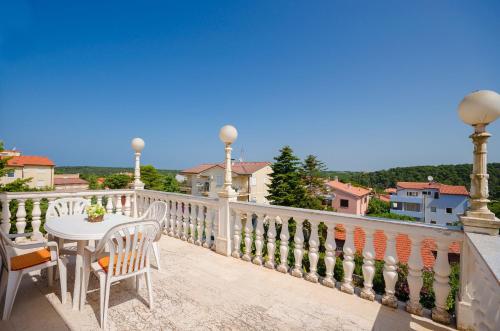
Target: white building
{"x": 432, "y": 203}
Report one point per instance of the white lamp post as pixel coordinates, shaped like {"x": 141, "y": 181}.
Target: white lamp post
{"x": 480, "y": 109}
{"x": 138, "y": 145}
{"x": 228, "y": 135}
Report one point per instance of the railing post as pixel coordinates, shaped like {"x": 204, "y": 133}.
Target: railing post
{"x": 6, "y": 215}
{"x": 237, "y": 235}
{"x": 223, "y": 225}
{"x": 271, "y": 242}
{"x": 259, "y": 240}
{"x": 20, "y": 217}
{"x": 348, "y": 263}
{"x": 390, "y": 271}
{"x": 441, "y": 284}
{"x": 415, "y": 280}
{"x": 368, "y": 267}
{"x": 312, "y": 276}
{"x": 298, "y": 251}
{"x": 330, "y": 257}
{"x": 284, "y": 237}
{"x": 464, "y": 311}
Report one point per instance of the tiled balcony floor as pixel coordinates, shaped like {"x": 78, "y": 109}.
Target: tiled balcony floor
{"x": 200, "y": 290}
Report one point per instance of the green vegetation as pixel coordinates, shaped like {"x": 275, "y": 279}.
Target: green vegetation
{"x": 154, "y": 180}
{"x": 117, "y": 181}
{"x": 381, "y": 209}
{"x": 102, "y": 171}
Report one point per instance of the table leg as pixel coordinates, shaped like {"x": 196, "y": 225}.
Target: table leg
{"x": 80, "y": 250}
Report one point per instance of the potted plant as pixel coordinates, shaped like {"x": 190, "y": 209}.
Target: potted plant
{"x": 95, "y": 213}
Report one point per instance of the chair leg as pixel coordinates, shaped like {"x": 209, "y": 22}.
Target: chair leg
{"x": 85, "y": 280}
{"x": 137, "y": 283}
{"x": 156, "y": 252}
{"x": 50, "y": 275}
{"x": 63, "y": 279}
{"x": 102, "y": 293}
{"x": 106, "y": 303}
{"x": 150, "y": 288}
{"x": 3, "y": 283}
{"x": 12, "y": 285}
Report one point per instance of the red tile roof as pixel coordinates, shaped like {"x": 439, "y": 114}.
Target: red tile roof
{"x": 241, "y": 168}
{"x": 390, "y": 190}
{"x": 442, "y": 188}
{"x": 69, "y": 181}
{"x": 385, "y": 197}
{"x": 348, "y": 188}
{"x": 403, "y": 246}
{"x": 21, "y": 161}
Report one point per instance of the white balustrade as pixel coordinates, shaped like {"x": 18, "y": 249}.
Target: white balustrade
{"x": 330, "y": 257}
{"x": 284, "y": 237}
{"x": 390, "y": 271}
{"x": 313, "y": 276}
{"x": 247, "y": 256}
{"x": 192, "y": 224}
{"x": 36, "y": 221}
{"x": 20, "y": 217}
{"x": 237, "y": 235}
{"x": 368, "y": 266}
{"x": 259, "y": 240}
{"x": 200, "y": 219}
{"x": 271, "y": 243}
{"x": 298, "y": 250}
{"x": 348, "y": 263}
{"x": 127, "y": 207}
{"x": 441, "y": 284}
{"x": 208, "y": 229}
{"x": 6, "y": 215}
{"x": 185, "y": 222}
{"x": 415, "y": 280}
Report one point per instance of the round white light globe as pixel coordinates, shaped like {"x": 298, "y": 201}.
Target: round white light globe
{"x": 137, "y": 144}
{"x": 481, "y": 107}
{"x": 228, "y": 134}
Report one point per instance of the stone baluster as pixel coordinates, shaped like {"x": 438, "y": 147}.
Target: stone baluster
{"x": 415, "y": 280}
{"x": 390, "y": 271}
{"x": 99, "y": 200}
{"x": 247, "y": 256}
{"x": 208, "y": 229}
{"x": 215, "y": 230}
{"x": 88, "y": 198}
{"x": 284, "y": 237}
{"x": 20, "y": 217}
{"x": 173, "y": 215}
{"x": 271, "y": 242}
{"x": 109, "y": 204}
{"x": 36, "y": 220}
{"x": 127, "y": 209}
{"x": 298, "y": 251}
{"x": 313, "y": 276}
{"x": 178, "y": 220}
{"x": 6, "y": 215}
{"x": 185, "y": 222}
{"x": 330, "y": 247}
{"x": 259, "y": 240}
{"x": 441, "y": 284}
{"x": 368, "y": 266}
{"x": 118, "y": 204}
{"x": 200, "y": 219}
{"x": 192, "y": 224}
{"x": 348, "y": 263}
{"x": 237, "y": 235}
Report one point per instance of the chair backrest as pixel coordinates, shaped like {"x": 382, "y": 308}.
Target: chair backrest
{"x": 128, "y": 246}
{"x": 67, "y": 206}
{"x": 4, "y": 253}
{"x": 157, "y": 211}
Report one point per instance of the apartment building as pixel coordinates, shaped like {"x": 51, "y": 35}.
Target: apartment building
{"x": 431, "y": 202}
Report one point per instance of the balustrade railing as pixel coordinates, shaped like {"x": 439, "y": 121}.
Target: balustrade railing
{"x": 256, "y": 226}
{"x": 300, "y": 242}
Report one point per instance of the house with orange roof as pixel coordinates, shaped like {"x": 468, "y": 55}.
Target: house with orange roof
{"x": 347, "y": 198}
{"x": 430, "y": 202}
{"x": 39, "y": 168}
{"x": 250, "y": 180}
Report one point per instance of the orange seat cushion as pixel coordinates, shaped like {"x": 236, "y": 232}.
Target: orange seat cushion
{"x": 31, "y": 259}
{"x": 104, "y": 262}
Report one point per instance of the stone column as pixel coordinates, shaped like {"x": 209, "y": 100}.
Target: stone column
{"x": 479, "y": 218}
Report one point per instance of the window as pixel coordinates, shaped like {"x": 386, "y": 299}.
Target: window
{"x": 433, "y": 209}
{"x": 344, "y": 203}
{"x": 397, "y": 206}
{"x": 412, "y": 194}
{"x": 253, "y": 180}
{"x": 436, "y": 195}
{"x": 449, "y": 210}
{"x": 412, "y": 206}
{"x": 11, "y": 173}
{"x": 449, "y": 224}
{"x": 433, "y": 222}
{"x": 220, "y": 181}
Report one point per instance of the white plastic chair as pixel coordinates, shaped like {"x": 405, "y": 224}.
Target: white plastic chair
{"x": 157, "y": 211}
{"x": 64, "y": 207}
{"x": 38, "y": 256}
{"x": 122, "y": 253}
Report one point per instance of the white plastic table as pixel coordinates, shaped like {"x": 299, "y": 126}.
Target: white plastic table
{"x": 78, "y": 228}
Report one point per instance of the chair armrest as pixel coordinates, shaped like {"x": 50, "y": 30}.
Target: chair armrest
{"x": 19, "y": 235}
{"x": 41, "y": 244}
{"x": 54, "y": 250}
{"x": 90, "y": 249}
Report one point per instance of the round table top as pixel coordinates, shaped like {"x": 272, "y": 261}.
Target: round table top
{"x": 77, "y": 227}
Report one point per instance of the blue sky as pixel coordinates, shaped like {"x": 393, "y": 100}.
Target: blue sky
{"x": 363, "y": 85}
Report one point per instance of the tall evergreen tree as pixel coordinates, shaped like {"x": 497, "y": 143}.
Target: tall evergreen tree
{"x": 286, "y": 187}
{"x": 314, "y": 183}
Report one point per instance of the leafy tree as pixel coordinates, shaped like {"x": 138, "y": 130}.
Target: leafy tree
{"x": 377, "y": 206}
{"x": 117, "y": 181}
{"x": 93, "y": 183}
{"x": 154, "y": 180}
{"x": 312, "y": 169}
{"x": 287, "y": 187}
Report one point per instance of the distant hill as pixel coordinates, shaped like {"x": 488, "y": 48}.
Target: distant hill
{"x": 103, "y": 171}
{"x": 453, "y": 174}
